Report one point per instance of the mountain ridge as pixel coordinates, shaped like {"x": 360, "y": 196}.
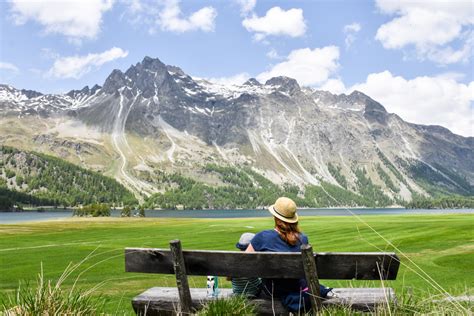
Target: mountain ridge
{"x": 155, "y": 118}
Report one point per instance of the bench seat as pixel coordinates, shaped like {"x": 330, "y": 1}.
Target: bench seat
{"x": 164, "y": 300}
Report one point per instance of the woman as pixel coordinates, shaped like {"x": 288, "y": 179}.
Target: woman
{"x": 285, "y": 237}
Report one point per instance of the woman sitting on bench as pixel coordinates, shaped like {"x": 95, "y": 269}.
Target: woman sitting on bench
{"x": 285, "y": 237}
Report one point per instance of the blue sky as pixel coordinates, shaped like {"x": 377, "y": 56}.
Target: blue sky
{"x": 413, "y": 57}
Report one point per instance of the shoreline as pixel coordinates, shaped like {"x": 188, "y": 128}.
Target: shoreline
{"x": 335, "y": 208}
{"x": 77, "y": 219}
{"x": 7, "y": 218}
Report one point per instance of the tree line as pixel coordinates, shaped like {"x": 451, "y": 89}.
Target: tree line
{"x": 446, "y": 202}
{"x": 56, "y": 181}
{"x": 245, "y": 188}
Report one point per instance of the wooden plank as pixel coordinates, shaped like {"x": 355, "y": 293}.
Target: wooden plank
{"x": 311, "y": 275}
{"x": 337, "y": 266}
{"x": 357, "y": 266}
{"x": 181, "y": 277}
{"x": 164, "y": 300}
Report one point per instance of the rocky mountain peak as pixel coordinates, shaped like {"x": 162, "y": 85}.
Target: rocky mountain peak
{"x": 115, "y": 81}
{"x": 176, "y": 70}
{"x": 148, "y": 64}
{"x": 9, "y": 90}
{"x": 252, "y": 82}
{"x": 86, "y": 91}
{"x": 357, "y": 96}
{"x": 148, "y": 77}
{"x": 285, "y": 84}
{"x": 373, "y": 111}
{"x": 31, "y": 93}
{"x": 370, "y": 104}
{"x": 11, "y": 94}
{"x": 153, "y": 64}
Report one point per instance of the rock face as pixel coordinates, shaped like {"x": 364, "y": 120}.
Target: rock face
{"x": 155, "y": 116}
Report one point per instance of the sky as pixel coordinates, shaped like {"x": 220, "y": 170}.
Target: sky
{"x": 414, "y": 57}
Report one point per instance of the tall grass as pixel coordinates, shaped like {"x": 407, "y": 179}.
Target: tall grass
{"x": 410, "y": 302}
{"x": 48, "y": 297}
{"x": 233, "y": 306}
{"x": 407, "y": 303}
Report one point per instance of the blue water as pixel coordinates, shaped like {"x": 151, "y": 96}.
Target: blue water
{"x": 31, "y": 216}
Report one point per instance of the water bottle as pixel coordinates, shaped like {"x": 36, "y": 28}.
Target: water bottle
{"x": 212, "y": 286}
{"x": 215, "y": 291}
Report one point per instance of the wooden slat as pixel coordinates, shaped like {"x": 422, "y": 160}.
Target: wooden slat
{"x": 164, "y": 300}
{"x": 337, "y": 266}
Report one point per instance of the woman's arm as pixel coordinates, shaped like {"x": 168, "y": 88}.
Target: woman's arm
{"x": 250, "y": 248}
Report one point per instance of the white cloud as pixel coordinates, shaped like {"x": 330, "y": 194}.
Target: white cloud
{"x": 437, "y": 100}
{"x": 237, "y": 79}
{"x": 77, "y": 66}
{"x": 246, "y": 6}
{"x": 452, "y": 75}
{"x": 273, "y": 54}
{"x": 276, "y": 22}
{"x": 49, "y": 53}
{"x": 76, "y": 19}
{"x": 170, "y": 18}
{"x": 310, "y": 67}
{"x": 134, "y": 5}
{"x": 335, "y": 86}
{"x": 167, "y": 16}
{"x": 8, "y": 67}
{"x": 353, "y": 27}
{"x": 351, "y": 30}
{"x": 430, "y": 27}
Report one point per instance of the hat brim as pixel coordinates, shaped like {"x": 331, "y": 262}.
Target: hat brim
{"x": 290, "y": 220}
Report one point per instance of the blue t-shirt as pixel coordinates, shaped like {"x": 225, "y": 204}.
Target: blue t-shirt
{"x": 270, "y": 241}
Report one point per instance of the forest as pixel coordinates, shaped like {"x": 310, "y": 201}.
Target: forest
{"x": 37, "y": 179}
{"x": 245, "y": 188}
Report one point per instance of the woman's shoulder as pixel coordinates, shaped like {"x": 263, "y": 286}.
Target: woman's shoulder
{"x": 262, "y": 238}
{"x": 266, "y": 233}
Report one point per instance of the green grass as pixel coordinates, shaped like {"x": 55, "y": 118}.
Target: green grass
{"x": 50, "y": 298}
{"x": 233, "y": 306}
{"x": 441, "y": 245}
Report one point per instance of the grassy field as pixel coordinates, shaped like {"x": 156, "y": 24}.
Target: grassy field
{"x": 441, "y": 245}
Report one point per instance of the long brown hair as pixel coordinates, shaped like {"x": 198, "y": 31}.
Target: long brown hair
{"x": 289, "y": 232}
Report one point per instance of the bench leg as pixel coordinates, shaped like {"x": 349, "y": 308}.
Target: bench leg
{"x": 181, "y": 277}
{"x": 309, "y": 264}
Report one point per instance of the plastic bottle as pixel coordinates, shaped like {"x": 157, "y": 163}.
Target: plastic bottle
{"x": 212, "y": 286}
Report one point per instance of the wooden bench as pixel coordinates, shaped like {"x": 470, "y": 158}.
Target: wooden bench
{"x": 334, "y": 266}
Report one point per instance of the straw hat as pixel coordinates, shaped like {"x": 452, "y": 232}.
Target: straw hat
{"x": 284, "y": 209}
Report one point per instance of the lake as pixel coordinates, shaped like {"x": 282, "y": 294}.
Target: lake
{"x": 32, "y": 216}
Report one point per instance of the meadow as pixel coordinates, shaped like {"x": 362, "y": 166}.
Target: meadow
{"x": 442, "y": 246}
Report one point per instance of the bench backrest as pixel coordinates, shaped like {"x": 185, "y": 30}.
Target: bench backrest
{"x": 331, "y": 265}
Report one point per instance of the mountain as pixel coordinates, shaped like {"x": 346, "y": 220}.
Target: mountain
{"x": 154, "y": 120}
{"x": 44, "y": 179}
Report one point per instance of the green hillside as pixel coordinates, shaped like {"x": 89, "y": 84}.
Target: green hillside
{"x": 245, "y": 188}
{"x": 34, "y": 178}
